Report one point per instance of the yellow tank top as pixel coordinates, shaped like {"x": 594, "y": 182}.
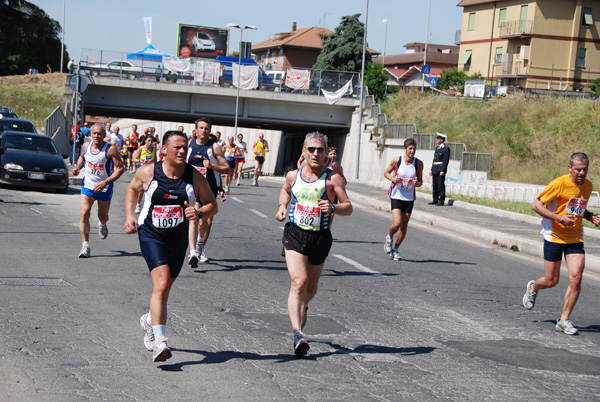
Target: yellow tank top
{"x": 148, "y": 157}
{"x": 259, "y": 149}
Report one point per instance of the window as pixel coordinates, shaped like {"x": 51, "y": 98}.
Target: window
{"x": 587, "y": 17}
{"x": 471, "y": 21}
{"x": 466, "y": 60}
{"x": 581, "y": 57}
{"x": 498, "y": 59}
{"x": 502, "y": 19}
{"x": 523, "y": 20}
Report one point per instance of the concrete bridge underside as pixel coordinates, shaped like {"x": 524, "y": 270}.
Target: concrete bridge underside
{"x": 290, "y": 113}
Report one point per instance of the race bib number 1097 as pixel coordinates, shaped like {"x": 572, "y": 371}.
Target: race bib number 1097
{"x": 167, "y": 216}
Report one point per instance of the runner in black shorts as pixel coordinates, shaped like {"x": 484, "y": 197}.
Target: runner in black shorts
{"x": 171, "y": 188}
{"x": 306, "y": 237}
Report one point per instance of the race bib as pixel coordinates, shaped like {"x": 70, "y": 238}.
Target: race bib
{"x": 576, "y": 206}
{"x": 406, "y": 184}
{"x": 167, "y": 216}
{"x": 307, "y": 216}
{"x": 201, "y": 169}
{"x": 96, "y": 169}
{"x": 258, "y": 153}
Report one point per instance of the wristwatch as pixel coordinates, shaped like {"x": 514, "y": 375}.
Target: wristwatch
{"x": 107, "y": 182}
{"x": 199, "y": 213}
{"x": 333, "y": 208}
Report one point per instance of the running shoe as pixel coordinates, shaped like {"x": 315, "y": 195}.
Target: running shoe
{"x": 162, "y": 351}
{"x": 148, "y": 333}
{"x": 300, "y": 345}
{"x": 395, "y": 255}
{"x": 193, "y": 260}
{"x": 305, "y": 316}
{"x": 529, "y": 297}
{"x": 226, "y": 189}
{"x": 85, "y": 252}
{"x": 255, "y": 183}
{"x": 102, "y": 230}
{"x": 238, "y": 182}
{"x": 138, "y": 208}
{"x": 566, "y": 326}
{"x": 387, "y": 247}
{"x": 203, "y": 257}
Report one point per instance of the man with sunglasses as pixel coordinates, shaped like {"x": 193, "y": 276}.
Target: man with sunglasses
{"x": 307, "y": 239}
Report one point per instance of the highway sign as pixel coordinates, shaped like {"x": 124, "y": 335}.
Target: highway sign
{"x": 426, "y": 70}
{"x": 433, "y": 81}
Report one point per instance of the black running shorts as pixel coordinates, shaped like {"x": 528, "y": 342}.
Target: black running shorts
{"x": 314, "y": 244}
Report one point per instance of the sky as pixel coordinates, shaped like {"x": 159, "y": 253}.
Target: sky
{"x": 117, "y": 25}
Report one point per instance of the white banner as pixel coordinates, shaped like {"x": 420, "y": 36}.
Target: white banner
{"x": 333, "y": 97}
{"x": 148, "y": 26}
{"x": 207, "y": 71}
{"x": 175, "y": 64}
{"x": 298, "y": 79}
{"x": 248, "y": 79}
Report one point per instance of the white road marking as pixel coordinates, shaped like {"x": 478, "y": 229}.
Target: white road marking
{"x": 259, "y": 213}
{"x": 35, "y": 210}
{"x": 357, "y": 265}
{"x": 237, "y": 200}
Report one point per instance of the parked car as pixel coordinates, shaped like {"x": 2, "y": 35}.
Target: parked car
{"x": 203, "y": 42}
{"x": 264, "y": 81}
{"x": 32, "y": 160}
{"x": 117, "y": 68}
{"x": 14, "y": 124}
{"x": 6, "y": 111}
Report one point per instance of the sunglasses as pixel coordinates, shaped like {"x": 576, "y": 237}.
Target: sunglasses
{"x": 313, "y": 149}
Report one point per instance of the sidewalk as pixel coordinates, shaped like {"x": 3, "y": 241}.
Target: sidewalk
{"x": 476, "y": 222}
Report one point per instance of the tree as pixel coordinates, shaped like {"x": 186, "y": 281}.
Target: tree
{"x": 342, "y": 50}
{"x": 455, "y": 78}
{"x": 28, "y": 38}
{"x": 375, "y": 80}
{"x": 595, "y": 87}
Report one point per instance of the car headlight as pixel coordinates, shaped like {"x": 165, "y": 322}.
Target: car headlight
{"x": 13, "y": 166}
{"x": 59, "y": 170}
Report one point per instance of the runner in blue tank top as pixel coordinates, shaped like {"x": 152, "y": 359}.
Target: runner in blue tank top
{"x": 171, "y": 188}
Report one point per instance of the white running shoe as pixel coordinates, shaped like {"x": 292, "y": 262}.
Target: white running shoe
{"x": 529, "y": 297}
{"x": 85, "y": 252}
{"x": 566, "y": 326}
{"x": 238, "y": 182}
{"x": 102, "y": 230}
{"x": 395, "y": 255}
{"x": 254, "y": 183}
{"x": 161, "y": 351}
{"x": 203, "y": 257}
{"x": 387, "y": 247}
{"x": 148, "y": 333}
{"x": 138, "y": 208}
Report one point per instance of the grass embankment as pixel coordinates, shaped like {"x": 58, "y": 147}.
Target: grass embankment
{"x": 33, "y": 97}
{"x": 530, "y": 139}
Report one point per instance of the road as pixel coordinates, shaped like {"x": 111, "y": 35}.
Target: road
{"x": 444, "y": 324}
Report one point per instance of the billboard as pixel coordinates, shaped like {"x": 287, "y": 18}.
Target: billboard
{"x": 201, "y": 41}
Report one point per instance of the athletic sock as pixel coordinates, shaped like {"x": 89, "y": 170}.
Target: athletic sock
{"x": 159, "y": 332}
{"x": 85, "y": 244}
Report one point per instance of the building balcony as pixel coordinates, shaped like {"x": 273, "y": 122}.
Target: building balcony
{"x": 457, "y": 37}
{"x": 517, "y": 29}
{"x": 513, "y": 69}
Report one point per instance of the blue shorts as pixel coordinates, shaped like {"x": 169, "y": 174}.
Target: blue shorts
{"x": 156, "y": 254}
{"x": 231, "y": 163}
{"x": 104, "y": 196}
{"x": 554, "y": 251}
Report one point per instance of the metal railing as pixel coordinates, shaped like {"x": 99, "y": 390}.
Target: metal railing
{"x": 56, "y": 122}
{"x": 95, "y": 63}
{"x": 399, "y": 130}
{"x": 477, "y": 161}
{"x": 513, "y": 28}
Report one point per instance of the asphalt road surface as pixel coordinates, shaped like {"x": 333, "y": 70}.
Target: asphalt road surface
{"x": 444, "y": 324}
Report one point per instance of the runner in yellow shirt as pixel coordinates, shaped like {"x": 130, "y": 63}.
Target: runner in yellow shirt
{"x": 261, "y": 147}
{"x": 562, "y": 206}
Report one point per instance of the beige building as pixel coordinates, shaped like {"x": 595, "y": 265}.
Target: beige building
{"x": 543, "y": 44}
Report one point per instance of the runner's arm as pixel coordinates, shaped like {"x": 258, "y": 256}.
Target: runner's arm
{"x": 285, "y": 195}
{"x": 419, "y": 182}
{"x": 539, "y": 207}
{"x": 344, "y": 206}
{"x": 388, "y": 171}
{"x": 338, "y": 169}
{"x": 136, "y": 155}
{"x": 207, "y": 199}
{"x": 142, "y": 177}
{"x": 266, "y": 145}
{"x": 223, "y": 166}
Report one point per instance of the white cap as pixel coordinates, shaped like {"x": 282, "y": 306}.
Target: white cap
{"x": 442, "y": 136}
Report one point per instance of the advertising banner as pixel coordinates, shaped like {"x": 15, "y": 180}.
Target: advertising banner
{"x": 203, "y": 42}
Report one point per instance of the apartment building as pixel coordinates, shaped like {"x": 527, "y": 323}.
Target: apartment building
{"x": 542, "y": 44}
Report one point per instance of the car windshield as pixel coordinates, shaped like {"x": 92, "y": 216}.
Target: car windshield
{"x": 36, "y": 144}
{"x": 18, "y": 126}
{"x": 203, "y": 36}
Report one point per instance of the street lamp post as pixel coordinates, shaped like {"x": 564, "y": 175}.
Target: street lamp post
{"x": 62, "y": 41}
{"x": 237, "y": 96}
{"x": 362, "y": 94}
{"x": 385, "y": 41}
{"x": 426, "y": 44}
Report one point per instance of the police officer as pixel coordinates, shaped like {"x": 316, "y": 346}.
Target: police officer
{"x": 439, "y": 168}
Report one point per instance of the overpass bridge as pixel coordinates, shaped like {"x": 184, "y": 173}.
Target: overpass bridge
{"x": 289, "y": 112}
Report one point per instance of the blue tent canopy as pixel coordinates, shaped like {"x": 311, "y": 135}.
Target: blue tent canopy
{"x": 149, "y": 53}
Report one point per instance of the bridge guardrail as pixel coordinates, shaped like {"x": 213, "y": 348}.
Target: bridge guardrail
{"x": 94, "y": 62}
